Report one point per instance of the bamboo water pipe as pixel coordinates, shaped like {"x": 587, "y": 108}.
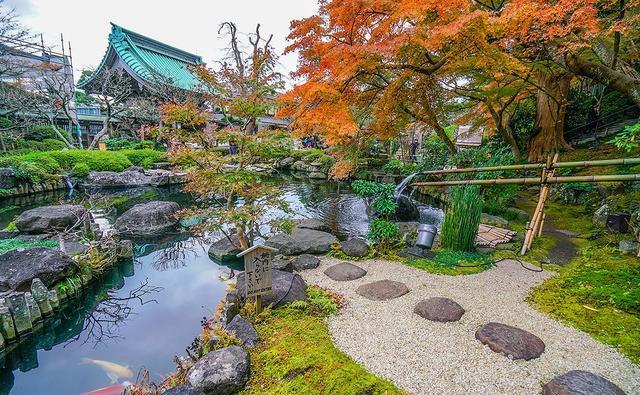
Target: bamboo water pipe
{"x": 534, "y": 180}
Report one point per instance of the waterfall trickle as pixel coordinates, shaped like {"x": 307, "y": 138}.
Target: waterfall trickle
{"x": 403, "y": 185}
{"x": 69, "y": 183}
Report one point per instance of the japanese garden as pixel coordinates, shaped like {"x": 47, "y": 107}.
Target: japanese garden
{"x": 377, "y": 197}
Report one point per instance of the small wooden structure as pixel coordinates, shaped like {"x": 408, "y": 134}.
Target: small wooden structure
{"x": 257, "y": 271}
{"x": 491, "y": 236}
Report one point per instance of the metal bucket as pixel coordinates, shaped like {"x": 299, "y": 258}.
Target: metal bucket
{"x": 426, "y": 234}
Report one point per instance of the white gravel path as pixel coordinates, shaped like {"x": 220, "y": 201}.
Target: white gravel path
{"x": 424, "y": 357}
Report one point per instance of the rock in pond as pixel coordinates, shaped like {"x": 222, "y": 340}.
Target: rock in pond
{"x": 345, "y": 271}
{"x": 50, "y": 218}
{"x": 131, "y": 177}
{"x": 314, "y": 224}
{"x": 302, "y": 241}
{"x": 407, "y": 210}
{"x": 148, "y": 219}
{"x": 243, "y": 330}
{"x": 439, "y": 309}
{"x": 305, "y": 262}
{"x": 225, "y": 249}
{"x": 183, "y": 390}
{"x": 356, "y": 248}
{"x": 286, "y": 287}
{"x": 221, "y": 372}
{"x": 7, "y": 178}
{"x": 19, "y": 267}
{"x": 382, "y": 290}
{"x": 510, "y": 341}
{"x": 580, "y": 382}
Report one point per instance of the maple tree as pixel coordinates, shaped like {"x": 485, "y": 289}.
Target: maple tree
{"x": 382, "y": 64}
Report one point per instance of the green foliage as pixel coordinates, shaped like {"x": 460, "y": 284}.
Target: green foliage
{"x": 434, "y": 153}
{"x": 628, "y": 139}
{"x": 462, "y": 218}
{"x": 11, "y": 226}
{"x": 80, "y": 170}
{"x": 399, "y": 167}
{"x": 452, "y": 263}
{"x": 116, "y": 144}
{"x": 381, "y": 230}
{"x": 144, "y": 157}
{"x": 296, "y": 354}
{"x": 13, "y": 244}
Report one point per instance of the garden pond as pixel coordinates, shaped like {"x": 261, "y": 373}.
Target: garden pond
{"x": 143, "y": 312}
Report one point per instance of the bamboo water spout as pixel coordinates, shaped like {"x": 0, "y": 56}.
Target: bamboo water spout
{"x": 534, "y": 180}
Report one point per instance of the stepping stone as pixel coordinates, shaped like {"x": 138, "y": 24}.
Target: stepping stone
{"x": 382, "y": 290}
{"x": 511, "y": 341}
{"x": 580, "y": 382}
{"x": 439, "y": 309}
{"x": 345, "y": 272}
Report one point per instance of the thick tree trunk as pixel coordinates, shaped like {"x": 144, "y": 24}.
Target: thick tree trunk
{"x": 550, "y": 110}
{"x": 605, "y": 75}
{"x": 60, "y": 135}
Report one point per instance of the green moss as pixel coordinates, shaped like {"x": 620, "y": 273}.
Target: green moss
{"x": 12, "y": 244}
{"x": 452, "y": 263}
{"x": 599, "y": 293}
{"x": 297, "y": 355}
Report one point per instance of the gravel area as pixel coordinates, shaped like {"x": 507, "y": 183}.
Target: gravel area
{"x": 424, "y": 357}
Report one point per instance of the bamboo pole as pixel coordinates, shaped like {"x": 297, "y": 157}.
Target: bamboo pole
{"x": 544, "y": 194}
{"x": 531, "y": 229}
{"x": 534, "y": 180}
{"x": 544, "y": 217}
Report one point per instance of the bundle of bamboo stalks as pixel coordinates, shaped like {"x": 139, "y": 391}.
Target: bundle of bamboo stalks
{"x": 491, "y": 236}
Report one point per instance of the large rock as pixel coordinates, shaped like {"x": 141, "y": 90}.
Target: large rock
{"x": 243, "y": 330}
{"x": 493, "y": 220}
{"x": 510, "y": 341}
{"x": 305, "y": 262}
{"x": 286, "y": 287}
{"x": 313, "y": 223}
{"x": 302, "y": 241}
{"x": 407, "y": 228}
{"x": 131, "y": 177}
{"x": 50, "y": 218}
{"x": 382, "y": 290}
{"x": 407, "y": 210}
{"x": 345, "y": 271}
{"x": 357, "y": 248}
{"x": 148, "y": 219}
{"x": 283, "y": 263}
{"x": 7, "y": 178}
{"x": 439, "y": 309}
{"x": 183, "y": 390}
{"x": 580, "y": 382}
{"x": 19, "y": 267}
{"x": 225, "y": 249}
{"x": 221, "y": 372}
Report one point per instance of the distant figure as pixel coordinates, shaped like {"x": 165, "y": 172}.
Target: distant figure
{"x": 414, "y": 149}
{"x": 233, "y": 147}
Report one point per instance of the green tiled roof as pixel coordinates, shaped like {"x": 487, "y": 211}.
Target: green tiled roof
{"x": 148, "y": 58}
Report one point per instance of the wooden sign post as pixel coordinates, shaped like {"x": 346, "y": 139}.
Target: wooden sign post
{"x": 257, "y": 272}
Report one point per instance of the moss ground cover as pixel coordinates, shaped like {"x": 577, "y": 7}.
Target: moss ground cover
{"x": 452, "y": 263}
{"x": 297, "y": 356}
{"x": 12, "y": 244}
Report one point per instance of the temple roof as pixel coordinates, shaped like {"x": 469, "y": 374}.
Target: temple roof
{"x": 145, "y": 59}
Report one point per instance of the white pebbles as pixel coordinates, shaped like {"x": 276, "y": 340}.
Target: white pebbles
{"x": 424, "y": 357}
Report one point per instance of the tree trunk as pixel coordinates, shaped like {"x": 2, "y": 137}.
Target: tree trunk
{"x": 550, "y": 110}
{"x": 60, "y": 135}
{"x": 101, "y": 133}
{"x": 605, "y": 75}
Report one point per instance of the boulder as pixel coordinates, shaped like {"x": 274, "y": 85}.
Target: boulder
{"x": 357, "y": 248}
{"x": 305, "y": 262}
{"x": 628, "y": 247}
{"x": 7, "y": 178}
{"x": 50, "y": 218}
{"x": 493, "y": 220}
{"x": 600, "y": 216}
{"x": 345, "y": 271}
{"x": 405, "y": 228}
{"x": 439, "y": 309}
{"x": 183, "y": 390}
{"x": 111, "y": 179}
{"x": 510, "y": 341}
{"x": 580, "y": 382}
{"x": 382, "y": 290}
{"x": 19, "y": 267}
{"x": 148, "y": 219}
{"x": 285, "y": 163}
{"x": 407, "y": 210}
{"x": 8, "y": 234}
{"x": 286, "y": 287}
{"x": 221, "y": 372}
{"x": 243, "y": 330}
{"x": 313, "y": 223}
{"x": 281, "y": 262}
{"x": 224, "y": 250}
{"x": 302, "y": 241}
{"x": 519, "y": 212}
{"x": 317, "y": 175}
{"x": 135, "y": 168}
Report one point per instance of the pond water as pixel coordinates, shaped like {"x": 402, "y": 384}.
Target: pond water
{"x": 145, "y": 311}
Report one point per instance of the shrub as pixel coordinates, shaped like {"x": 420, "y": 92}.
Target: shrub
{"x": 80, "y": 170}
{"x": 460, "y": 226}
{"x": 144, "y": 157}
{"x": 44, "y": 132}
{"x": 52, "y": 144}
{"x": 382, "y": 230}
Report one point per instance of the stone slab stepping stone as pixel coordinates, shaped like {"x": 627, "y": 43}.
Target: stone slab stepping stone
{"x": 345, "y": 271}
{"x": 511, "y": 341}
{"x": 439, "y": 309}
{"x": 580, "y": 382}
{"x": 382, "y": 290}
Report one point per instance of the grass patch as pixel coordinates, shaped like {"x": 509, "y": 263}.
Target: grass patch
{"x": 13, "y": 244}
{"x": 297, "y": 356}
{"x": 452, "y": 263}
{"x": 599, "y": 293}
